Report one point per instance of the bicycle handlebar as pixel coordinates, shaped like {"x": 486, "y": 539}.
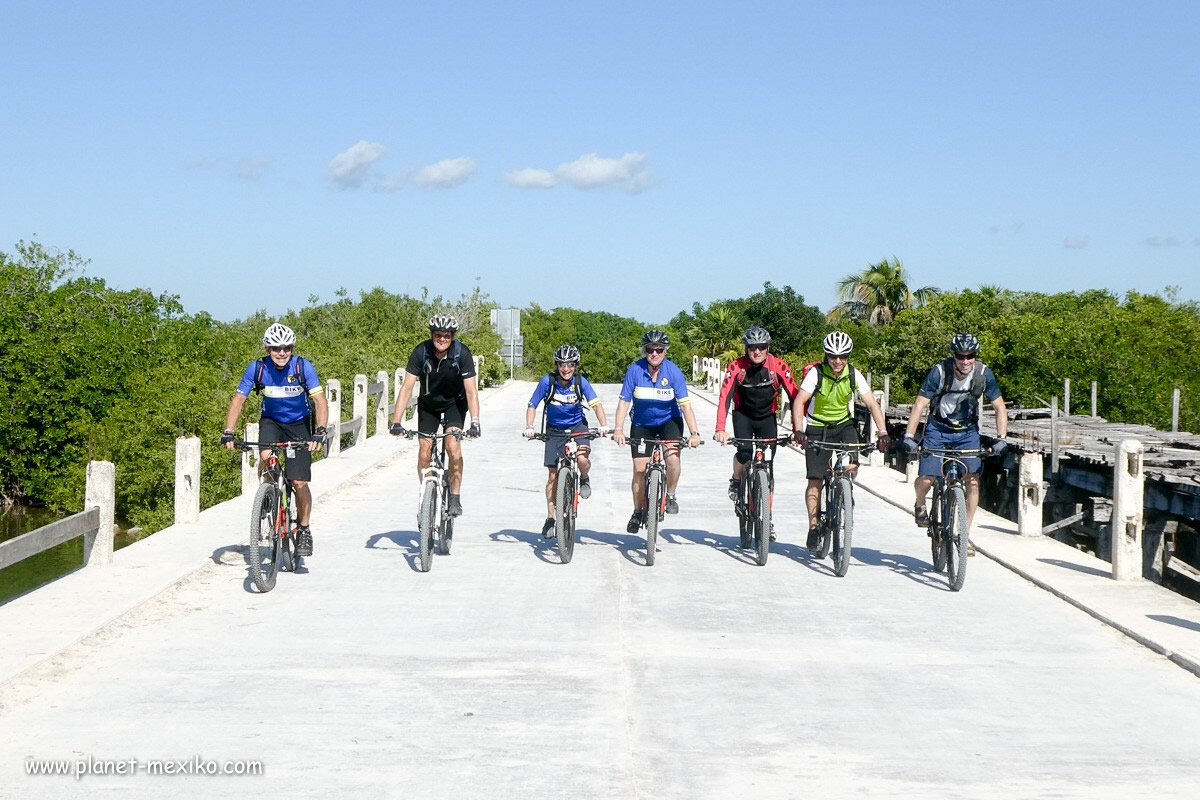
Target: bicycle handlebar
{"x": 643, "y": 440}
{"x": 590, "y": 433}
{"x": 845, "y": 447}
{"x": 756, "y": 440}
{"x": 947, "y": 452}
{"x": 457, "y": 434}
{"x": 238, "y": 444}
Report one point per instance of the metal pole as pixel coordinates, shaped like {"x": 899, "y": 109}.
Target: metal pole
{"x": 1054, "y": 437}
{"x": 512, "y": 343}
{"x": 1093, "y": 398}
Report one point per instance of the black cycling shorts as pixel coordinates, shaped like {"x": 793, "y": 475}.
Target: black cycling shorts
{"x": 818, "y": 457}
{"x": 746, "y": 428}
{"x": 671, "y": 429}
{"x": 556, "y": 439}
{"x": 297, "y": 465}
{"x": 428, "y": 419}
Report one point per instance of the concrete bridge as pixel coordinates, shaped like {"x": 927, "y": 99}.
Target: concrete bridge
{"x": 502, "y": 673}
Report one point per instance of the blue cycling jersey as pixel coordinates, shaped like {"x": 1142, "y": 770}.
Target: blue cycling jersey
{"x": 655, "y": 401}
{"x": 284, "y": 398}
{"x": 564, "y": 410}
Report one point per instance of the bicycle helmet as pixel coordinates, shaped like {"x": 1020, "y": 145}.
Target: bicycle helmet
{"x": 567, "y": 354}
{"x": 655, "y": 337}
{"x": 838, "y": 344}
{"x": 964, "y": 344}
{"x": 756, "y": 335}
{"x": 443, "y": 322}
{"x": 279, "y": 335}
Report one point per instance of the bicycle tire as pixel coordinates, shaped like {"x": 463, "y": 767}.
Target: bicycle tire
{"x": 937, "y": 536}
{"x": 842, "y": 531}
{"x": 956, "y": 543}
{"x": 762, "y": 517}
{"x": 426, "y": 516}
{"x": 564, "y": 501}
{"x": 265, "y": 543}
{"x": 654, "y": 490}
{"x": 823, "y": 522}
{"x": 446, "y": 528}
{"x": 745, "y": 533}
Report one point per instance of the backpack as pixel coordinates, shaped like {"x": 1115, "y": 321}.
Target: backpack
{"x": 821, "y": 376}
{"x": 454, "y": 354}
{"x": 550, "y": 394}
{"x": 976, "y": 388}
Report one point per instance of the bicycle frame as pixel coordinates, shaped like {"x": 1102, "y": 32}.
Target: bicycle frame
{"x": 760, "y": 461}
{"x": 658, "y": 463}
{"x": 435, "y": 477}
{"x": 947, "y": 553}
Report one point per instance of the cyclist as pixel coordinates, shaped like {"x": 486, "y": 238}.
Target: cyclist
{"x": 752, "y": 382}
{"x": 827, "y": 394}
{"x": 564, "y": 393}
{"x": 657, "y": 391}
{"x": 951, "y": 392}
{"x": 446, "y": 370}
{"x": 287, "y": 383}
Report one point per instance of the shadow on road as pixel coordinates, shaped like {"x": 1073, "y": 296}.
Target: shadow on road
{"x": 630, "y": 545}
{"x": 408, "y": 541}
{"x": 1076, "y": 567}
{"x": 727, "y": 545}
{"x": 912, "y": 568}
{"x": 1170, "y": 620}
{"x": 545, "y": 549}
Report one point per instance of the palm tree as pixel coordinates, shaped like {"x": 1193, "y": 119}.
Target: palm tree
{"x": 716, "y": 330}
{"x": 877, "y": 294}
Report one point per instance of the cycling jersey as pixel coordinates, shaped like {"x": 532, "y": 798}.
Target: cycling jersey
{"x": 442, "y": 379}
{"x": 284, "y": 397}
{"x": 834, "y": 403}
{"x": 958, "y": 408}
{"x": 564, "y": 409}
{"x": 753, "y": 390}
{"x": 655, "y": 401}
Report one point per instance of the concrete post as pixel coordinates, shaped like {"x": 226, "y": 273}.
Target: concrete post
{"x": 1054, "y": 437}
{"x": 1128, "y": 488}
{"x": 381, "y": 405}
{"x": 887, "y": 394}
{"x": 910, "y": 471}
{"x": 333, "y": 396}
{"x": 1029, "y": 500}
{"x": 360, "y": 407}
{"x": 250, "y": 461}
{"x": 101, "y": 491}
{"x": 1093, "y": 398}
{"x": 874, "y": 457}
{"x": 1175, "y": 410}
{"x": 1067, "y": 397}
{"x": 187, "y": 479}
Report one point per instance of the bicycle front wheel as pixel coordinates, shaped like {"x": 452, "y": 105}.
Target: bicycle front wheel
{"x": 426, "y": 517}
{"x": 761, "y": 516}
{"x": 843, "y": 527}
{"x": 956, "y": 533}
{"x": 266, "y": 545}
{"x": 825, "y": 522}
{"x": 446, "y": 529}
{"x": 654, "y": 492}
{"x": 564, "y": 505}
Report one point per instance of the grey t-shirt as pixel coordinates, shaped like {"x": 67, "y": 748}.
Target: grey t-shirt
{"x": 957, "y": 408}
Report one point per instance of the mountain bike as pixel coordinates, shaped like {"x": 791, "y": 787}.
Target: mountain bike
{"x": 753, "y": 506}
{"x": 566, "y": 492}
{"x": 432, "y": 519}
{"x": 656, "y": 491}
{"x": 836, "y": 519}
{"x": 949, "y": 538}
{"x": 272, "y": 519}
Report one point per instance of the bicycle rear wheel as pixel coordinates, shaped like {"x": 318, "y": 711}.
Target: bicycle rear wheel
{"x": 564, "y": 506}
{"x": 843, "y": 526}
{"x": 937, "y": 534}
{"x": 761, "y": 516}
{"x": 956, "y": 544}
{"x": 654, "y": 491}
{"x": 426, "y": 517}
{"x": 266, "y": 545}
{"x": 446, "y": 529}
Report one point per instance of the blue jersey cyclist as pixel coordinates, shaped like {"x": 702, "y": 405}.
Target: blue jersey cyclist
{"x": 563, "y": 394}
{"x": 287, "y": 382}
{"x": 952, "y": 391}
{"x": 657, "y": 391}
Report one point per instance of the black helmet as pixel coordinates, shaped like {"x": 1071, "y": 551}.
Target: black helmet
{"x": 756, "y": 335}
{"x": 964, "y": 344}
{"x": 655, "y": 337}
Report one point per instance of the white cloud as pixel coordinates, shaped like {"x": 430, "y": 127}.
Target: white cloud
{"x": 393, "y": 182}
{"x": 445, "y": 174}
{"x": 1163, "y": 241}
{"x": 1075, "y": 242}
{"x": 349, "y": 169}
{"x": 251, "y": 169}
{"x": 531, "y": 178}
{"x": 590, "y": 171}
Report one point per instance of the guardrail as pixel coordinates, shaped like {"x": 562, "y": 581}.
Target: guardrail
{"x": 708, "y": 371}
{"x": 94, "y": 524}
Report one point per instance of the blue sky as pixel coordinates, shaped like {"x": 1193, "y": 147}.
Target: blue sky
{"x": 626, "y": 157}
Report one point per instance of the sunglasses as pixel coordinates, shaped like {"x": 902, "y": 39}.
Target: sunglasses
{"x": 756, "y": 347}
{"x": 655, "y": 350}
{"x": 442, "y": 335}
{"x": 287, "y": 348}
{"x": 964, "y": 356}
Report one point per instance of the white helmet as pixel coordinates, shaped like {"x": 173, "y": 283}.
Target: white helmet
{"x": 443, "y": 322}
{"x": 838, "y": 344}
{"x": 279, "y": 335}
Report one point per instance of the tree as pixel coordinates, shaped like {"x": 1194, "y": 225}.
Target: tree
{"x": 878, "y": 294}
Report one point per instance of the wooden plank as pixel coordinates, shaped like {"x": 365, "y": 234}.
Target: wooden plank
{"x": 47, "y": 536}
{"x": 1062, "y": 523}
{"x": 380, "y": 388}
{"x": 350, "y": 427}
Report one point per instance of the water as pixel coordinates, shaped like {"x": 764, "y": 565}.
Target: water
{"x": 47, "y": 565}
